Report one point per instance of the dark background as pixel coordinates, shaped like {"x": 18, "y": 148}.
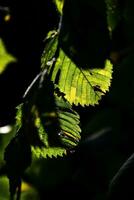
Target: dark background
{"x": 23, "y": 36}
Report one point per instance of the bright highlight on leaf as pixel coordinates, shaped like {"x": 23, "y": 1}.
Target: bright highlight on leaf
{"x": 80, "y": 86}
{"x": 46, "y": 123}
{"x": 5, "y": 57}
{"x": 48, "y": 152}
{"x": 59, "y": 5}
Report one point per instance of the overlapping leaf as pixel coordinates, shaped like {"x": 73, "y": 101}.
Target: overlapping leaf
{"x": 49, "y": 122}
{"x": 69, "y": 134}
{"x": 69, "y": 123}
{"x": 48, "y": 55}
{"x": 84, "y": 35}
{"x": 80, "y": 86}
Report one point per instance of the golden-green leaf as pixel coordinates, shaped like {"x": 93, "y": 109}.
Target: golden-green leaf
{"x": 81, "y": 86}
{"x": 5, "y": 57}
{"x": 59, "y": 5}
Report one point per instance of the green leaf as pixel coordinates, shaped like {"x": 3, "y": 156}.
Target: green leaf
{"x": 84, "y": 34}
{"x": 48, "y": 152}
{"x": 5, "y": 57}
{"x": 59, "y": 5}
{"x": 26, "y": 190}
{"x": 69, "y": 134}
{"x": 17, "y": 158}
{"x": 47, "y": 58}
{"x": 48, "y": 120}
{"x": 4, "y": 193}
{"x": 69, "y": 123}
{"x": 80, "y": 86}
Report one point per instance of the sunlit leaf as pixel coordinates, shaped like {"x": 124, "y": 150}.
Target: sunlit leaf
{"x": 48, "y": 55}
{"x": 69, "y": 135}
{"x": 48, "y": 152}
{"x": 69, "y": 123}
{"x": 48, "y": 120}
{"x": 5, "y": 57}
{"x": 81, "y": 86}
{"x": 59, "y": 5}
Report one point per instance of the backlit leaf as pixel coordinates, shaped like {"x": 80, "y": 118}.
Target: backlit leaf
{"x": 81, "y": 86}
{"x": 59, "y": 5}
{"x": 48, "y": 120}
{"x": 5, "y": 57}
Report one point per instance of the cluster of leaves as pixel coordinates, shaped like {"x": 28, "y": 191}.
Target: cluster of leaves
{"x": 73, "y": 72}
